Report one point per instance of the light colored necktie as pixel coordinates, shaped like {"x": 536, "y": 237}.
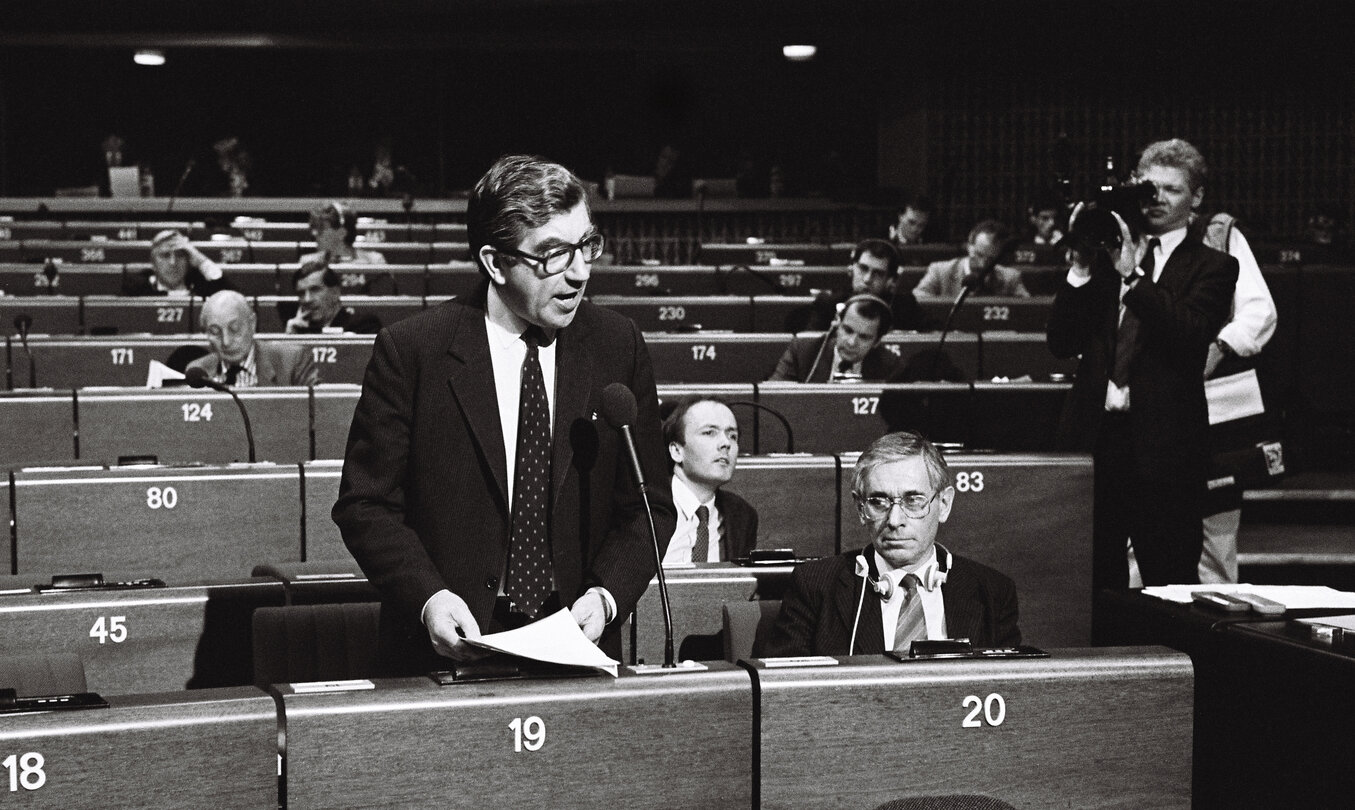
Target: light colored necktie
{"x": 912, "y": 624}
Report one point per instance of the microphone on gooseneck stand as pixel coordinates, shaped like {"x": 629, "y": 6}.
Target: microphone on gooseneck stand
{"x": 973, "y": 280}
{"x": 178, "y": 187}
{"x": 823, "y": 344}
{"x": 198, "y": 378}
{"x": 23, "y": 322}
{"x": 620, "y": 411}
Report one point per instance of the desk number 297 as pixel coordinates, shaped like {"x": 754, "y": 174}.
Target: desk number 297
{"x": 529, "y": 734}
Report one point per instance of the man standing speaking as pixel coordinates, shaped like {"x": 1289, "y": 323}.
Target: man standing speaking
{"x": 481, "y": 489}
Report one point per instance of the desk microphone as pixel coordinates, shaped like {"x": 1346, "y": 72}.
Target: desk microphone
{"x": 197, "y": 378}
{"x": 823, "y": 344}
{"x": 178, "y": 187}
{"x": 620, "y": 410}
{"x": 781, "y": 417}
{"x": 973, "y": 280}
{"x": 23, "y": 322}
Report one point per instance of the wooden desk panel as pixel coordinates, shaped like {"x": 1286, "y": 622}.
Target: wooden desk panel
{"x": 38, "y": 426}
{"x": 1028, "y": 516}
{"x": 686, "y": 313}
{"x": 142, "y": 640}
{"x": 211, "y": 748}
{"x": 85, "y": 251}
{"x": 323, "y": 543}
{"x": 52, "y": 315}
{"x": 1014, "y": 354}
{"x": 985, "y": 313}
{"x": 797, "y": 501}
{"x": 175, "y": 425}
{"x": 332, "y": 407}
{"x": 244, "y": 251}
{"x": 337, "y": 358}
{"x": 695, "y": 596}
{"x": 79, "y": 362}
{"x": 1017, "y": 417}
{"x": 185, "y": 524}
{"x": 1086, "y": 728}
{"x": 114, "y": 315}
{"x": 36, "y": 278}
{"x": 441, "y": 252}
{"x": 715, "y": 358}
{"x": 778, "y": 254}
{"x": 275, "y": 310}
{"x": 679, "y": 740}
{"x": 453, "y": 278}
{"x": 842, "y": 417}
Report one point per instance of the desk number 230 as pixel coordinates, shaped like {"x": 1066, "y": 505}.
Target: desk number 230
{"x": 529, "y": 734}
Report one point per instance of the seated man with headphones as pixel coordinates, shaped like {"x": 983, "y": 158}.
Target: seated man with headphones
{"x": 902, "y": 587}
{"x": 849, "y": 351}
{"x": 320, "y": 304}
{"x": 335, "y": 228}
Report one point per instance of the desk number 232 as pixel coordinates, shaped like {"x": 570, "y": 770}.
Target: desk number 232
{"x": 529, "y": 734}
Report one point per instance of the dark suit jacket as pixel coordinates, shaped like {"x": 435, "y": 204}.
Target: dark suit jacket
{"x": 347, "y": 319}
{"x": 423, "y": 499}
{"x": 820, "y": 605}
{"x": 1179, "y": 316}
{"x": 738, "y": 524}
{"x": 276, "y": 363}
{"x": 879, "y": 364}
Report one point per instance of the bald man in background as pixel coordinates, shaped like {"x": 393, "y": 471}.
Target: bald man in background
{"x": 237, "y": 359}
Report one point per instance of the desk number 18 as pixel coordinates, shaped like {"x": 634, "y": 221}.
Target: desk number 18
{"x": 529, "y": 733}
{"x": 26, "y": 771}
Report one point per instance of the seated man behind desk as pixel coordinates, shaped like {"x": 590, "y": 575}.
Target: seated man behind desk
{"x": 849, "y": 351}
{"x": 903, "y": 586}
{"x": 335, "y": 228}
{"x": 988, "y": 242}
{"x": 320, "y": 304}
{"x": 237, "y": 359}
{"x": 703, "y": 444}
{"x": 177, "y": 269}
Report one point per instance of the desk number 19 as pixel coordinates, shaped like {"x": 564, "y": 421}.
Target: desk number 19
{"x": 529, "y": 733}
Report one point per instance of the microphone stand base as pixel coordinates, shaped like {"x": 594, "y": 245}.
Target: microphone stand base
{"x": 659, "y": 669}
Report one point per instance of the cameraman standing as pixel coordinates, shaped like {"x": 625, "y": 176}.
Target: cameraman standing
{"x": 1142, "y": 311}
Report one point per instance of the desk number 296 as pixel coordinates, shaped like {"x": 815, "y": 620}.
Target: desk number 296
{"x": 529, "y": 734}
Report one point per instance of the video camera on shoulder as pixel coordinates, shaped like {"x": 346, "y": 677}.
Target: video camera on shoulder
{"x": 1095, "y": 228}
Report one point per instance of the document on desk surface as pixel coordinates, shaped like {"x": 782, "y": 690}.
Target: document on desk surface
{"x": 1293, "y": 597}
{"x": 555, "y": 639}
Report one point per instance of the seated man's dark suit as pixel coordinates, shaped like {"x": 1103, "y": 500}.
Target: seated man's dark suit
{"x": 738, "y": 524}
{"x": 819, "y": 609}
{"x": 1151, "y": 462}
{"x": 878, "y": 364}
{"x": 348, "y": 320}
{"x": 423, "y": 501}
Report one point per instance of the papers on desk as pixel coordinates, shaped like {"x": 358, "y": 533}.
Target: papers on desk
{"x": 158, "y": 372}
{"x": 556, "y": 639}
{"x": 1346, "y": 623}
{"x": 1293, "y": 597}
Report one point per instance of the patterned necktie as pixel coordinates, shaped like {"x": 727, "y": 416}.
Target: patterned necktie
{"x": 232, "y": 373}
{"x": 1129, "y": 324}
{"x": 701, "y": 548}
{"x": 528, "y": 580}
{"x": 912, "y": 623}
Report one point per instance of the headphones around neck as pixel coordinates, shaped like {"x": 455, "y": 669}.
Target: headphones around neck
{"x": 931, "y": 577}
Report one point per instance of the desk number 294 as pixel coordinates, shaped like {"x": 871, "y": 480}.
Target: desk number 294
{"x": 529, "y": 734}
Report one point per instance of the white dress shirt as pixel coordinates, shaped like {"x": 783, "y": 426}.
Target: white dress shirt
{"x": 507, "y": 350}
{"x": 684, "y": 538}
{"x": 933, "y": 604}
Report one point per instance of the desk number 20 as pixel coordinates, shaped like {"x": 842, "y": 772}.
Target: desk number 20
{"x": 993, "y": 707}
{"x": 529, "y": 733}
